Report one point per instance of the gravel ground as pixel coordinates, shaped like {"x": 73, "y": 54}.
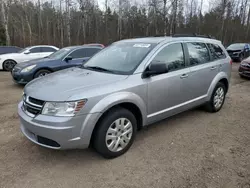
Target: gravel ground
{"x": 192, "y": 149}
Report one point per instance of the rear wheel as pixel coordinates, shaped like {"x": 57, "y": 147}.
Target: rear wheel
{"x": 116, "y": 133}
{"x": 218, "y": 98}
{"x": 8, "y": 65}
{"x": 41, "y": 73}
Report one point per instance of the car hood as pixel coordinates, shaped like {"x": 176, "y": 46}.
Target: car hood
{"x": 34, "y": 62}
{"x": 63, "y": 85}
{"x": 234, "y": 49}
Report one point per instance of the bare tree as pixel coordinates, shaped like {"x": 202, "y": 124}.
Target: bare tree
{"x": 5, "y": 17}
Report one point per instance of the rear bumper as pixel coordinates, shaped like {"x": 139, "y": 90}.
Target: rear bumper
{"x": 58, "y": 132}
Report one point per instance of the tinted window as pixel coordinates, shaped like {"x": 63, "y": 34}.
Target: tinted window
{"x": 85, "y": 52}
{"x": 35, "y": 50}
{"x": 77, "y": 54}
{"x": 89, "y": 52}
{"x": 198, "y": 53}
{"x": 172, "y": 55}
{"x": 216, "y": 51}
{"x": 48, "y": 49}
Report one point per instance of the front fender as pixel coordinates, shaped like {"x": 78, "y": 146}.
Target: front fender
{"x": 105, "y": 104}
{"x": 118, "y": 98}
{"x": 217, "y": 78}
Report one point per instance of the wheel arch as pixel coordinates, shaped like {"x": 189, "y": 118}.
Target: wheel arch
{"x": 8, "y": 60}
{"x": 42, "y": 68}
{"x": 221, "y": 77}
{"x": 129, "y": 101}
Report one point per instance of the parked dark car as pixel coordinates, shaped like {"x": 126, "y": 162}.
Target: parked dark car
{"x": 244, "y": 69}
{"x": 238, "y": 51}
{"x": 9, "y": 49}
{"x": 64, "y": 58}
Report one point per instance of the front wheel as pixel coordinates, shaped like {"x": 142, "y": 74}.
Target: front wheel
{"x": 41, "y": 73}
{"x": 218, "y": 98}
{"x": 8, "y": 65}
{"x": 115, "y": 133}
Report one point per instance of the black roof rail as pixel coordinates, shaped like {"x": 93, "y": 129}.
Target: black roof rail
{"x": 193, "y": 35}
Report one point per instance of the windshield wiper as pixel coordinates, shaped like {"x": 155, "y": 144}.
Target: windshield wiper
{"x": 97, "y": 68}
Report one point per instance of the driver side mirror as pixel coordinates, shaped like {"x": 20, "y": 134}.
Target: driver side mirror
{"x": 27, "y": 52}
{"x": 155, "y": 68}
{"x": 69, "y": 58}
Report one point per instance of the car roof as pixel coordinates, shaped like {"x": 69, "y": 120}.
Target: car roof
{"x": 166, "y": 39}
{"x": 81, "y": 46}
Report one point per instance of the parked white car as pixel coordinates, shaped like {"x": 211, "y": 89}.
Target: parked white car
{"x": 8, "y": 61}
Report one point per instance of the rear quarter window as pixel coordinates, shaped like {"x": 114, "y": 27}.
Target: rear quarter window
{"x": 216, "y": 51}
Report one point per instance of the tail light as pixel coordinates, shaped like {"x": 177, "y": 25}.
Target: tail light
{"x": 231, "y": 61}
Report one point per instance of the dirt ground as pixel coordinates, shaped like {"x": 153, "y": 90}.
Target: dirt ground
{"x": 193, "y": 149}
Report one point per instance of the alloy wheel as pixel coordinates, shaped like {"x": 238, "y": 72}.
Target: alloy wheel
{"x": 219, "y": 97}
{"x": 9, "y": 65}
{"x": 119, "y": 134}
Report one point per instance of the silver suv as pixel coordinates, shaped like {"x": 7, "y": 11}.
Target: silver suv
{"x": 130, "y": 84}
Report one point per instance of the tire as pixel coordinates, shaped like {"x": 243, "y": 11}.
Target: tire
{"x": 112, "y": 120}
{"x": 8, "y": 65}
{"x": 219, "y": 90}
{"x": 41, "y": 73}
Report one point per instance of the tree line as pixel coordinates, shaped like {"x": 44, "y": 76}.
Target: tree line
{"x": 73, "y": 22}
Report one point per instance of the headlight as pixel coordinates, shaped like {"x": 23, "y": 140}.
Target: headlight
{"x": 63, "y": 108}
{"x": 29, "y": 68}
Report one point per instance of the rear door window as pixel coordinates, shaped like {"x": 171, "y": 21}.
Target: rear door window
{"x": 48, "y": 49}
{"x": 198, "y": 53}
{"x": 216, "y": 51}
{"x": 35, "y": 50}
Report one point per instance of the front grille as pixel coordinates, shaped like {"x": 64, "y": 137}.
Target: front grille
{"x": 246, "y": 65}
{"x": 36, "y": 101}
{"x": 32, "y": 106}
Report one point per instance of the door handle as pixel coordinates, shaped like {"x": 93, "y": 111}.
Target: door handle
{"x": 184, "y": 76}
{"x": 212, "y": 68}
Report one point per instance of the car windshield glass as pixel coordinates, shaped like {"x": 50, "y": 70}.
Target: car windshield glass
{"x": 236, "y": 46}
{"x": 23, "y": 50}
{"x": 60, "y": 53}
{"x": 120, "y": 58}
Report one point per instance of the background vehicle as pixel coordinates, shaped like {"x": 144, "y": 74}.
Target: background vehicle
{"x": 8, "y": 61}
{"x": 62, "y": 59}
{"x": 238, "y": 51}
{"x": 128, "y": 85}
{"x": 244, "y": 69}
{"x": 9, "y": 49}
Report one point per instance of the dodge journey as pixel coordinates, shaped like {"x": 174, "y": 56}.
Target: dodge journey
{"x": 126, "y": 86}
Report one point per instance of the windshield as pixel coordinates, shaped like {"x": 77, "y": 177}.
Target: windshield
{"x": 23, "y": 50}
{"x": 120, "y": 58}
{"x": 237, "y": 46}
{"x": 60, "y": 53}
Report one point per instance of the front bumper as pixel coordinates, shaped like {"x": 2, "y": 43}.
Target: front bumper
{"x": 58, "y": 132}
{"x": 234, "y": 56}
{"x": 244, "y": 71}
{"x": 21, "y": 78}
